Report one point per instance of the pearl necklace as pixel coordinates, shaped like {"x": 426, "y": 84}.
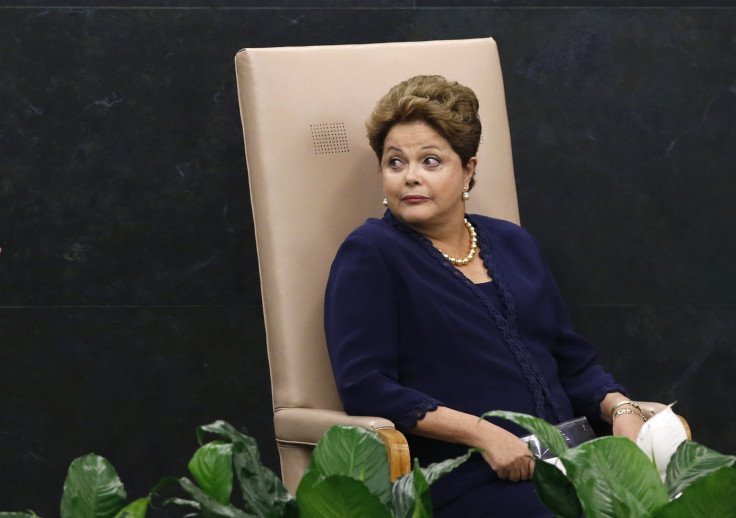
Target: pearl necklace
{"x": 473, "y": 247}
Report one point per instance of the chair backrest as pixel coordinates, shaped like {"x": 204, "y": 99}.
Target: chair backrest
{"x": 313, "y": 177}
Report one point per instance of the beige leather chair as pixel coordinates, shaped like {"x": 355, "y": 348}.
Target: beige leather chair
{"x": 313, "y": 178}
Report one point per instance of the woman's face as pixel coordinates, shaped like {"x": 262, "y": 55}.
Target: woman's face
{"x": 423, "y": 177}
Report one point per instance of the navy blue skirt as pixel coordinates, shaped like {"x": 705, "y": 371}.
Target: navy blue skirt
{"x": 473, "y": 490}
{"x": 496, "y": 499}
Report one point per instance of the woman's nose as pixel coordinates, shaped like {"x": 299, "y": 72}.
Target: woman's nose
{"x": 413, "y": 175}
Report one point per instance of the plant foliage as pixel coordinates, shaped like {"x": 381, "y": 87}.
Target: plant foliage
{"x": 348, "y": 477}
{"x": 691, "y": 462}
{"x": 611, "y": 477}
{"x": 92, "y": 489}
{"x": 608, "y": 477}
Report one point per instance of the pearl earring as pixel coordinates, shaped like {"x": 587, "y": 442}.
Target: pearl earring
{"x": 466, "y": 194}
{"x": 385, "y": 202}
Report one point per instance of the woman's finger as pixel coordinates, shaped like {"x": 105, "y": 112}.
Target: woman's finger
{"x": 515, "y": 475}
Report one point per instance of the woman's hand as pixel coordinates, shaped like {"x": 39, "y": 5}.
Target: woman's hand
{"x": 630, "y": 416}
{"x": 650, "y": 408}
{"x": 627, "y": 425}
{"x": 508, "y": 455}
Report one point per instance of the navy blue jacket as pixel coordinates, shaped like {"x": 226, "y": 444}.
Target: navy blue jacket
{"x": 406, "y": 332}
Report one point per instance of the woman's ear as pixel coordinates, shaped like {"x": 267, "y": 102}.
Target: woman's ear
{"x": 470, "y": 169}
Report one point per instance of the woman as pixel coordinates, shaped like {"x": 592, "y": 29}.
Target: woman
{"x": 433, "y": 317}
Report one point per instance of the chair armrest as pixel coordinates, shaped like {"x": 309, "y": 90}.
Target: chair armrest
{"x": 307, "y": 425}
{"x": 687, "y": 428}
{"x": 398, "y": 451}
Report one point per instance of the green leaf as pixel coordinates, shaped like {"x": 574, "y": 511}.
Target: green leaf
{"x": 691, "y": 462}
{"x": 402, "y": 495}
{"x": 184, "y": 503}
{"x": 212, "y": 468}
{"x": 711, "y": 496}
{"x": 263, "y": 492}
{"x": 614, "y": 478}
{"x": 403, "y": 491}
{"x": 422, "y": 498}
{"x": 337, "y": 496}
{"x": 137, "y": 509}
{"x": 357, "y": 453}
{"x": 224, "y": 430}
{"x": 435, "y": 471}
{"x": 164, "y": 484}
{"x": 92, "y": 489}
{"x": 211, "y": 507}
{"x": 18, "y": 515}
{"x": 547, "y": 434}
{"x": 556, "y": 491}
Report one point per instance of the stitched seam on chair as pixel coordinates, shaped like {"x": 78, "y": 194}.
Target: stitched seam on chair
{"x": 295, "y": 443}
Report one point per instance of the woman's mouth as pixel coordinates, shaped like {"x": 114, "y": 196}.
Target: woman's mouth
{"x": 414, "y": 198}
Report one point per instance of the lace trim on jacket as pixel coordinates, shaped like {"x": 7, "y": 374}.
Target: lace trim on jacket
{"x": 505, "y": 322}
{"x": 409, "y": 420}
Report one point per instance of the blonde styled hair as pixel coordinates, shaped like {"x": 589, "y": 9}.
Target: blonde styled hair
{"x": 447, "y": 106}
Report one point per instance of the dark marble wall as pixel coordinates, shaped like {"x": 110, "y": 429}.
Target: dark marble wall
{"x": 129, "y": 294}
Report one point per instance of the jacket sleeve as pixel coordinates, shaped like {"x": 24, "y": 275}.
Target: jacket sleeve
{"x": 585, "y": 381}
{"x": 362, "y": 312}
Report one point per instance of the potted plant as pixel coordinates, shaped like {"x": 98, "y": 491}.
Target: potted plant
{"x": 608, "y": 477}
{"x": 612, "y": 477}
{"x": 347, "y": 477}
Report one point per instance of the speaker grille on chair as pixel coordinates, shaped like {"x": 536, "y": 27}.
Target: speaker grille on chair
{"x": 329, "y": 137}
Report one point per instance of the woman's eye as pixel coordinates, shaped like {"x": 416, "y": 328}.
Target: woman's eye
{"x": 395, "y": 163}
{"x": 432, "y": 161}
